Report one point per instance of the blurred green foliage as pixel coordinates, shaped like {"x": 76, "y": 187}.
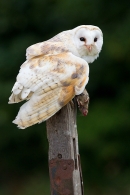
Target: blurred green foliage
{"x": 104, "y": 134}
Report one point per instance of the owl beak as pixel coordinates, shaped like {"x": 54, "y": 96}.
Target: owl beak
{"x": 89, "y": 47}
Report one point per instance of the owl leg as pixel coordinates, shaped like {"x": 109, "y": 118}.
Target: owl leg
{"x": 83, "y": 102}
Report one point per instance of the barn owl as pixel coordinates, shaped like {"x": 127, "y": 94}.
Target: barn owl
{"x": 54, "y": 72}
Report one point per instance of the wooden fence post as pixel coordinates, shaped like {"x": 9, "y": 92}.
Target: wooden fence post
{"x": 64, "y": 159}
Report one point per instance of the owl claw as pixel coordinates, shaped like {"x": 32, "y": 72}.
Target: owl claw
{"x": 85, "y": 112}
{"x": 83, "y": 102}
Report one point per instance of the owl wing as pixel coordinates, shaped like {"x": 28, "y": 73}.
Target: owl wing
{"x": 45, "y": 48}
{"x": 49, "y": 82}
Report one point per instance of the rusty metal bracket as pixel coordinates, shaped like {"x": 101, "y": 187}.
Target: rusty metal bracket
{"x": 61, "y": 176}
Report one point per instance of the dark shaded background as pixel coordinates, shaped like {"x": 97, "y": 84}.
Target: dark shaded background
{"x": 104, "y": 134}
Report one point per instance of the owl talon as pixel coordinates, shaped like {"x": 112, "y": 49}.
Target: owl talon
{"x": 83, "y": 102}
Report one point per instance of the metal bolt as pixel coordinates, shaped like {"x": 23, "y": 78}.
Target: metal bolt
{"x": 60, "y": 156}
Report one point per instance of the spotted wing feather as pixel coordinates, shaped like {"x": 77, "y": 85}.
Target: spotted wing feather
{"x": 49, "y": 82}
{"x": 45, "y": 48}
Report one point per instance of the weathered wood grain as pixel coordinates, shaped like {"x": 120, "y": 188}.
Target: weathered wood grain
{"x": 64, "y": 163}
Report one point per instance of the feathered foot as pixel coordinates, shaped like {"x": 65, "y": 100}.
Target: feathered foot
{"x": 83, "y": 102}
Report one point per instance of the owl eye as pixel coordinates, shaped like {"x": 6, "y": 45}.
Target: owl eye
{"x": 82, "y": 39}
{"x": 95, "y": 39}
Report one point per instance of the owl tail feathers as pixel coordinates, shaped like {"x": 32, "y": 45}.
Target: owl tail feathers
{"x": 41, "y": 107}
{"x": 19, "y": 95}
{"x": 37, "y": 111}
{"x": 39, "y": 117}
{"x": 14, "y": 99}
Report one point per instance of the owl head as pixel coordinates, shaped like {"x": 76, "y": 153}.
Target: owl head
{"x": 88, "y": 40}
